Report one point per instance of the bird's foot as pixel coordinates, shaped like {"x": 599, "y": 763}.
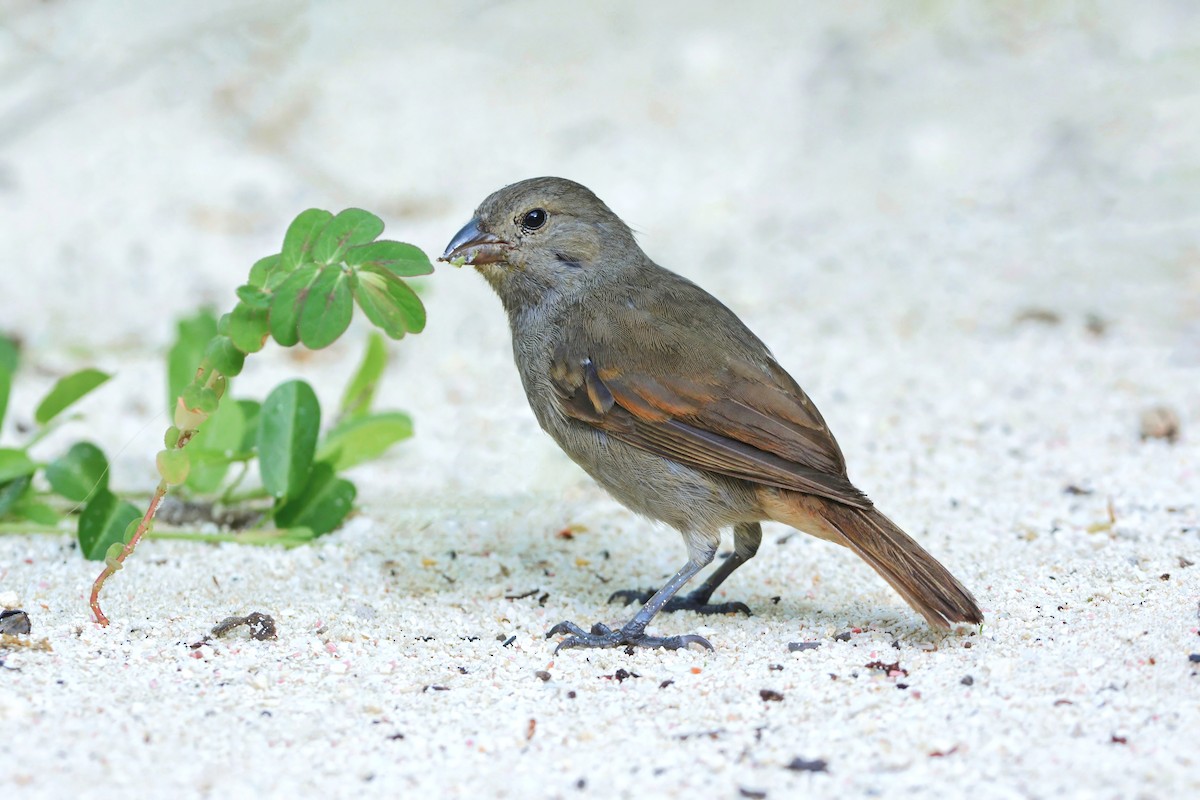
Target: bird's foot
{"x": 628, "y": 636}
{"x": 690, "y": 602}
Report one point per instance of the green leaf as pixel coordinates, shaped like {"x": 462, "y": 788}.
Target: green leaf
{"x": 224, "y": 356}
{"x": 349, "y": 228}
{"x": 9, "y": 358}
{"x": 360, "y": 392}
{"x": 67, "y": 391}
{"x": 187, "y": 418}
{"x": 301, "y": 234}
{"x": 324, "y": 503}
{"x": 112, "y": 556}
{"x": 248, "y": 327}
{"x": 192, "y": 336}
{"x": 387, "y": 301}
{"x": 250, "y": 413}
{"x": 287, "y": 438}
{"x": 103, "y": 522}
{"x": 397, "y": 258}
{"x": 173, "y": 466}
{"x": 200, "y": 398}
{"x": 325, "y": 311}
{"x": 5, "y": 389}
{"x": 211, "y": 448}
{"x": 15, "y": 464}
{"x": 254, "y": 296}
{"x": 79, "y": 472}
{"x": 30, "y": 508}
{"x": 11, "y": 491}
{"x": 263, "y": 269}
{"x": 363, "y": 439}
{"x": 10, "y": 355}
{"x": 274, "y": 280}
{"x": 287, "y": 302}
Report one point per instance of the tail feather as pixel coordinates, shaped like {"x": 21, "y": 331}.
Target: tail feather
{"x": 912, "y": 572}
{"x": 916, "y": 575}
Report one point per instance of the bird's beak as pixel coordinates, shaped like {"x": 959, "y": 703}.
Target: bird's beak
{"x": 474, "y": 246}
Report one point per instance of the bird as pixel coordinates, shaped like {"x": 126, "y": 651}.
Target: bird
{"x": 668, "y": 400}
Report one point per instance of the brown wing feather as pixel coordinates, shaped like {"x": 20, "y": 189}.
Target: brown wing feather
{"x": 750, "y": 427}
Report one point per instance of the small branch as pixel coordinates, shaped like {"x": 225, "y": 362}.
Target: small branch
{"x": 113, "y": 565}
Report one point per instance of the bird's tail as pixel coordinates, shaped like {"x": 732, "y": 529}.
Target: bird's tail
{"x": 916, "y": 575}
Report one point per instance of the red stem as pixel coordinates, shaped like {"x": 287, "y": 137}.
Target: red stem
{"x": 185, "y": 436}
{"x": 159, "y": 494}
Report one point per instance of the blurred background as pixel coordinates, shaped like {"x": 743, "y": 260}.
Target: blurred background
{"x": 858, "y": 180}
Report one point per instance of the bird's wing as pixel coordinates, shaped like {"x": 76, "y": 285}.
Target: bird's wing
{"x": 736, "y": 419}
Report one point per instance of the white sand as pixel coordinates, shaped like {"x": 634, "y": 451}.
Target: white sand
{"x": 879, "y": 195}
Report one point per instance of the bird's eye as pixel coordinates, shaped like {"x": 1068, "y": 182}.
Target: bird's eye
{"x": 534, "y": 219}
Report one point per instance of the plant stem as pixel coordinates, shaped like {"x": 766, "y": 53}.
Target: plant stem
{"x": 112, "y": 566}
{"x": 251, "y": 494}
{"x": 273, "y": 536}
{"x": 264, "y": 538}
{"x": 227, "y": 495}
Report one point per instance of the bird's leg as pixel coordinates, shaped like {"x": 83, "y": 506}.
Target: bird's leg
{"x": 746, "y": 538}
{"x": 633, "y": 633}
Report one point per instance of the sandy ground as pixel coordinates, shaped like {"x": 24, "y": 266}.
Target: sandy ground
{"x": 973, "y": 236}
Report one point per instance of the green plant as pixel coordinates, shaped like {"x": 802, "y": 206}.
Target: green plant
{"x": 78, "y": 479}
{"x": 78, "y": 476}
{"x": 299, "y": 466}
{"x": 305, "y": 294}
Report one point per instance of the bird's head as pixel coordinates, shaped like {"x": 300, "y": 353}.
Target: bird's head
{"x": 541, "y": 234}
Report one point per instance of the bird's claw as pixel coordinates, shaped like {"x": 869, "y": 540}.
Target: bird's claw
{"x": 732, "y": 607}
{"x": 628, "y": 596}
{"x": 603, "y": 636}
{"x": 687, "y": 603}
{"x": 599, "y": 629}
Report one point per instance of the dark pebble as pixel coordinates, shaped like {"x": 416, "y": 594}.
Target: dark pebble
{"x": 14, "y": 622}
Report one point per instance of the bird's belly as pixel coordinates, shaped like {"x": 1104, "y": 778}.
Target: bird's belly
{"x": 686, "y": 499}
